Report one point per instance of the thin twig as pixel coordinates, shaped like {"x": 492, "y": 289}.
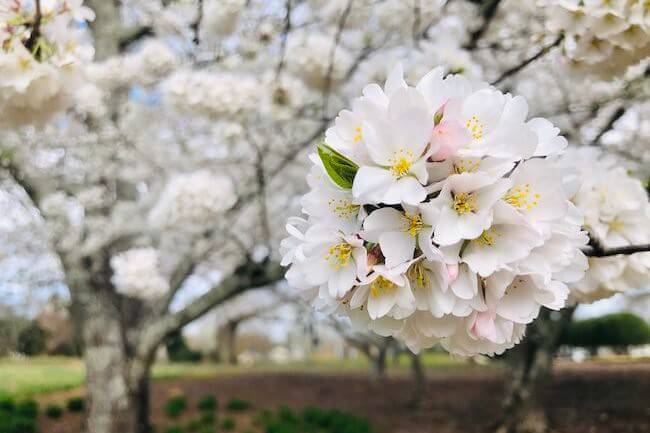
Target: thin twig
{"x": 417, "y": 20}
{"x": 332, "y": 56}
{"x": 196, "y": 25}
{"x": 515, "y": 69}
{"x": 283, "y": 44}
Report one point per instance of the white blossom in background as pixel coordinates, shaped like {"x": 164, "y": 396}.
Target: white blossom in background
{"x": 136, "y": 274}
{"x": 616, "y": 210}
{"x": 193, "y": 199}
{"x": 603, "y": 37}
{"x": 220, "y": 18}
{"x": 40, "y": 68}
{"x": 430, "y": 220}
{"x": 211, "y": 93}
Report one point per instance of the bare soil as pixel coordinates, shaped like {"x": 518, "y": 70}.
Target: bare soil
{"x": 587, "y": 398}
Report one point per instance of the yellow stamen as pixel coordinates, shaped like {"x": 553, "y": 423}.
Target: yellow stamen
{"x": 401, "y": 163}
{"x": 418, "y": 275}
{"x": 466, "y": 166}
{"x": 486, "y": 238}
{"x": 358, "y": 136}
{"x": 475, "y": 127}
{"x": 343, "y": 208}
{"x": 464, "y": 202}
{"x": 520, "y": 197}
{"x": 413, "y": 223}
{"x": 339, "y": 255}
{"x": 381, "y": 286}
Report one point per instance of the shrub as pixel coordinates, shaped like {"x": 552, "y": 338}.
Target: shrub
{"x": 175, "y": 406}
{"x": 193, "y": 426}
{"x": 175, "y": 429}
{"x": 237, "y": 404}
{"x": 7, "y": 405}
{"x": 53, "y": 411}
{"x": 312, "y": 420}
{"x": 76, "y": 404}
{"x": 207, "y": 403}
{"x": 228, "y": 424}
{"x": 617, "y": 330}
{"x": 27, "y": 409}
{"x": 31, "y": 340}
{"x": 178, "y": 350}
{"x": 207, "y": 419}
{"x": 17, "y": 424}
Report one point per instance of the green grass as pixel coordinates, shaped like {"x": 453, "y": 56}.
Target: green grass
{"x": 22, "y": 378}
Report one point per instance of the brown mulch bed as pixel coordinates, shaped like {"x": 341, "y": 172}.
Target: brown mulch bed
{"x": 581, "y": 399}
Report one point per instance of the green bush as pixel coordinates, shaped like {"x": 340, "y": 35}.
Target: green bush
{"x": 53, "y": 411}
{"x": 76, "y": 404}
{"x": 617, "y": 330}
{"x": 207, "y": 419}
{"x": 31, "y": 340}
{"x": 175, "y": 429}
{"x": 27, "y": 409}
{"x": 228, "y": 424}
{"x": 312, "y": 420}
{"x": 193, "y": 426}
{"x": 207, "y": 403}
{"x": 7, "y": 405}
{"x": 175, "y": 406}
{"x": 237, "y": 404}
{"x": 17, "y": 424}
{"x": 178, "y": 350}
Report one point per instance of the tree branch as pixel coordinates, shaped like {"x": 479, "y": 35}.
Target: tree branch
{"x": 35, "y": 34}
{"x": 515, "y": 69}
{"x": 332, "y": 56}
{"x": 597, "y": 250}
{"x": 283, "y": 45}
{"x": 620, "y": 111}
{"x": 247, "y": 276}
{"x": 488, "y": 11}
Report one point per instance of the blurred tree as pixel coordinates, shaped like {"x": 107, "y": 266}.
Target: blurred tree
{"x": 618, "y": 330}
{"x": 32, "y": 340}
{"x": 178, "y": 350}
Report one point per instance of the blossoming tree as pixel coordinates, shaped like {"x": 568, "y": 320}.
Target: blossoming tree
{"x": 440, "y": 209}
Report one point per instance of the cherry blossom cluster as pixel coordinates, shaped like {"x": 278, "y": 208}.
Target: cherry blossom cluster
{"x": 438, "y": 214}
{"x": 41, "y": 47}
{"x": 136, "y": 273}
{"x": 193, "y": 199}
{"x": 604, "y": 37}
{"x": 616, "y": 211}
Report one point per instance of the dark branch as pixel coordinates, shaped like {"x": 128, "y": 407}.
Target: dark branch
{"x": 35, "y": 34}
{"x": 620, "y": 111}
{"x": 515, "y": 69}
{"x": 283, "y": 45}
{"x": 134, "y": 36}
{"x": 598, "y": 251}
{"x": 488, "y": 11}
{"x": 196, "y": 25}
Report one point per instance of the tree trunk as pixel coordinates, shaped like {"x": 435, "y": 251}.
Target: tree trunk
{"x": 419, "y": 381}
{"x": 117, "y": 385}
{"x": 226, "y": 339}
{"x": 379, "y": 363}
{"x": 532, "y": 368}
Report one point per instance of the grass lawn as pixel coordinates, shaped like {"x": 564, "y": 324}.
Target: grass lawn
{"x": 27, "y": 377}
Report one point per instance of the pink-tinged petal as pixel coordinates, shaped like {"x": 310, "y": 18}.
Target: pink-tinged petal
{"x": 484, "y": 326}
{"x": 452, "y": 273}
{"x": 449, "y": 136}
{"x": 466, "y": 284}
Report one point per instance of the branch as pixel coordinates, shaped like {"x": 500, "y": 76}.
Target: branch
{"x": 597, "y": 250}
{"x": 247, "y": 276}
{"x": 488, "y": 11}
{"x": 131, "y": 36}
{"x": 196, "y": 25}
{"x": 330, "y": 68}
{"x": 620, "y": 111}
{"x": 30, "y": 44}
{"x": 283, "y": 44}
{"x": 515, "y": 69}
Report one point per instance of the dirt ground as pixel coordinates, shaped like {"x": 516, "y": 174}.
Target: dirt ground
{"x": 593, "y": 398}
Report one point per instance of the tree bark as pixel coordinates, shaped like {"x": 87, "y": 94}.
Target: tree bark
{"x": 379, "y": 362}
{"x": 226, "y": 339}
{"x": 532, "y": 368}
{"x": 117, "y": 383}
{"x": 419, "y": 381}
